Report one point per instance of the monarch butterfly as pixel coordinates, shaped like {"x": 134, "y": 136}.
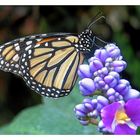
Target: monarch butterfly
{"x": 47, "y": 62}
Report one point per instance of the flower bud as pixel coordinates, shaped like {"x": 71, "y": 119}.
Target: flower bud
{"x": 102, "y": 54}
{"x": 99, "y": 107}
{"x": 87, "y": 100}
{"x": 95, "y": 65}
{"x": 110, "y": 80}
{"x": 81, "y": 108}
{"x": 115, "y": 75}
{"x": 84, "y": 122}
{"x": 111, "y": 98}
{"x": 132, "y": 94}
{"x": 94, "y": 103}
{"x": 118, "y": 65}
{"x": 113, "y": 50}
{"x": 104, "y": 71}
{"x": 89, "y": 106}
{"x": 102, "y": 100}
{"x": 94, "y": 114}
{"x": 110, "y": 92}
{"x": 92, "y": 59}
{"x": 80, "y": 114}
{"x": 124, "y": 81}
{"x": 122, "y": 89}
{"x": 87, "y": 86}
{"x": 84, "y": 71}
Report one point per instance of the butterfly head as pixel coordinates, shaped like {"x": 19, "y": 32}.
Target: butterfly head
{"x": 86, "y": 40}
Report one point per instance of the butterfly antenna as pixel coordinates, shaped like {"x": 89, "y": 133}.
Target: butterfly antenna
{"x": 95, "y": 20}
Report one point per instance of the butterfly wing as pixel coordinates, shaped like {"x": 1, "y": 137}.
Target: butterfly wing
{"x": 50, "y": 67}
{"x": 48, "y": 64}
{"x": 11, "y": 52}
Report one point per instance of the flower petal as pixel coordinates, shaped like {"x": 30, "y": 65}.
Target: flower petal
{"x": 132, "y": 108}
{"x": 123, "y": 129}
{"x": 108, "y": 114}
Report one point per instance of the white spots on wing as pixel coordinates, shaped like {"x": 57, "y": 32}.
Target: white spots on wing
{"x": 43, "y": 35}
{"x": 33, "y": 87}
{"x": 53, "y": 89}
{"x": 56, "y": 95}
{"x": 36, "y": 45}
{"x": 28, "y": 47}
{"x": 42, "y": 92}
{"x": 15, "y": 58}
{"x": 25, "y": 77}
{"x": 24, "y": 71}
{"x": 39, "y": 39}
{"x": 23, "y": 59}
{"x": 33, "y": 83}
{"x": 43, "y": 88}
{"x": 47, "y": 94}
{"x": 57, "y": 91}
{"x": 46, "y": 44}
{"x": 52, "y": 94}
{"x": 19, "y": 72}
{"x": 17, "y": 48}
{"x": 76, "y": 45}
{"x": 7, "y": 43}
{"x": 30, "y": 51}
{"x": 49, "y": 90}
{"x": 28, "y": 42}
{"x": 2, "y": 62}
{"x": 7, "y": 65}
{"x": 33, "y": 37}
{"x": 16, "y": 44}
{"x": 24, "y": 55}
{"x": 22, "y": 39}
{"x": 1, "y": 46}
{"x": 17, "y": 65}
{"x": 22, "y": 67}
{"x": 26, "y": 63}
{"x": 77, "y": 50}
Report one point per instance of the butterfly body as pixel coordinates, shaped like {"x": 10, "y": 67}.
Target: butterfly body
{"x": 47, "y": 62}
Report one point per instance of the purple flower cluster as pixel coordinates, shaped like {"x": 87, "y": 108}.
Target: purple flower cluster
{"x": 90, "y": 109}
{"x": 101, "y": 78}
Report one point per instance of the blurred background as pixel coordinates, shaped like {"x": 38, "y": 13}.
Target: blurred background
{"x": 122, "y": 26}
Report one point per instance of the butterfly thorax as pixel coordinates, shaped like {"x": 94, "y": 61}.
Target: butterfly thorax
{"x": 86, "y": 41}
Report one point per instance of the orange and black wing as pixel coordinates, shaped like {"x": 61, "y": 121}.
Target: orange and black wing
{"x": 50, "y": 67}
{"x": 11, "y": 52}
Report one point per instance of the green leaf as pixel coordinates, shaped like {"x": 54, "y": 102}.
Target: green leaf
{"x": 138, "y": 131}
{"x": 54, "y": 116}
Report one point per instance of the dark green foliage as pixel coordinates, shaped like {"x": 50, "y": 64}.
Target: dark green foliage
{"x": 52, "y": 117}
